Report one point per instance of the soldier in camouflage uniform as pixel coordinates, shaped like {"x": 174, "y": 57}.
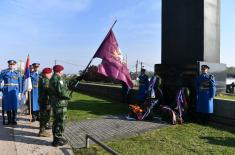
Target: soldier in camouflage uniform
{"x": 59, "y": 96}
{"x": 45, "y": 107}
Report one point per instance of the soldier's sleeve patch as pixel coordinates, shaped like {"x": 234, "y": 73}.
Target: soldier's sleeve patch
{"x": 61, "y": 82}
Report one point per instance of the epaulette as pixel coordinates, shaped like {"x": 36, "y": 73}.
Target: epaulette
{"x": 211, "y": 76}
{"x": 16, "y": 71}
{"x": 41, "y": 76}
{"x": 4, "y": 71}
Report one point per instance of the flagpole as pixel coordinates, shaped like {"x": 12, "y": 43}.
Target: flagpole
{"x": 30, "y": 106}
{"x": 105, "y": 37}
{"x": 83, "y": 73}
{"x": 29, "y": 94}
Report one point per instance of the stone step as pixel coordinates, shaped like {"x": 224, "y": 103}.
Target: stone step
{"x": 223, "y": 121}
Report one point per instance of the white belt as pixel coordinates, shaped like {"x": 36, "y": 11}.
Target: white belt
{"x": 11, "y": 84}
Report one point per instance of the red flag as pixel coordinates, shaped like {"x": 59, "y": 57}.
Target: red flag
{"x": 112, "y": 64}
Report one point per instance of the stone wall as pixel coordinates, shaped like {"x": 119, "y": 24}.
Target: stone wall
{"x": 224, "y": 110}
{"x": 113, "y": 92}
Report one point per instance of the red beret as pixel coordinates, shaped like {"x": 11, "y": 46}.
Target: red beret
{"x": 46, "y": 70}
{"x": 58, "y": 68}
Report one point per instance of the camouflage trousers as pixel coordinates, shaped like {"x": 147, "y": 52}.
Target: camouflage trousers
{"x": 59, "y": 117}
{"x": 44, "y": 118}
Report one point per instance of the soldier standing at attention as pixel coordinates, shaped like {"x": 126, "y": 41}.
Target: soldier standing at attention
{"x": 154, "y": 90}
{"x": 143, "y": 86}
{"x": 59, "y": 96}
{"x": 31, "y": 68}
{"x": 11, "y": 89}
{"x": 34, "y": 93}
{"x": 205, "y": 89}
{"x": 125, "y": 93}
{"x": 43, "y": 99}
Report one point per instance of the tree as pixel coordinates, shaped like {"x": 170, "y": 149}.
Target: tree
{"x": 230, "y": 71}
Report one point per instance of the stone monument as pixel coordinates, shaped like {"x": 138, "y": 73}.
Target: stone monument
{"x": 190, "y": 38}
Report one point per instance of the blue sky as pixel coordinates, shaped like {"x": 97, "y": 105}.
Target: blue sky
{"x": 71, "y": 30}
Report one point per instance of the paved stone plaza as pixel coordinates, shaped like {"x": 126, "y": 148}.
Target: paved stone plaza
{"x": 23, "y": 138}
{"x": 106, "y": 129}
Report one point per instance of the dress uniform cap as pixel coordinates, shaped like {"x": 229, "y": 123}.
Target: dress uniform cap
{"x": 36, "y": 64}
{"x": 46, "y": 70}
{"x": 58, "y": 68}
{"x": 11, "y": 62}
{"x": 205, "y": 67}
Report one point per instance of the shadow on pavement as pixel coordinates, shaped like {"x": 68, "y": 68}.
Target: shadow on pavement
{"x": 13, "y": 133}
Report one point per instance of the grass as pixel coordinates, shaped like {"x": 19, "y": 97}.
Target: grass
{"x": 83, "y": 107}
{"x": 224, "y": 96}
{"x": 178, "y": 140}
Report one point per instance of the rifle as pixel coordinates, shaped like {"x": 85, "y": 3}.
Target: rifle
{"x": 79, "y": 78}
{"x": 30, "y": 106}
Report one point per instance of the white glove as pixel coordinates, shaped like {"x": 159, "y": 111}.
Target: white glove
{"x": 19, "y": 96}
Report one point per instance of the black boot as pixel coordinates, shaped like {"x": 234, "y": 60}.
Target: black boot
{"x": 59, "y": 142}
{"x": 13, "y": 121}
{"x": 37, "y": 116}
{"x": 8, "y": 118}
{"x": 48, "y": 126}
{"x": 33, "y": 117}
{"x": 65, "y": 141}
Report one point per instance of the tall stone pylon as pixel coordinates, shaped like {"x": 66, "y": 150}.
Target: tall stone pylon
{"x": 190, "y": 38}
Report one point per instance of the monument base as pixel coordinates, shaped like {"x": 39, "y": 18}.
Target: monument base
{"x": 184, "y": 75}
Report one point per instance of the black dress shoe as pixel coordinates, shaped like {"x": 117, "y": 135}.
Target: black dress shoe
{"x": 14, "y": 123}
{"x": 8, "y": 123}
{"x": 33, "y": 120}
{"x": 37, "y": 119}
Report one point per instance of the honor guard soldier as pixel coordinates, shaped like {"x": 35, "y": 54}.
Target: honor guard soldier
{"x": 205, "y": 89}
{"x": 143, "y": 86}
{"x": 59, "y": 96}
{"x": 11, "y": 89}
{"x": 31, "y": 68}
{"x": 34, "y": 93}
{"x": 44, "y": 103}
{"x": 154, "y": 90}
{"x": 125, "y": 93}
